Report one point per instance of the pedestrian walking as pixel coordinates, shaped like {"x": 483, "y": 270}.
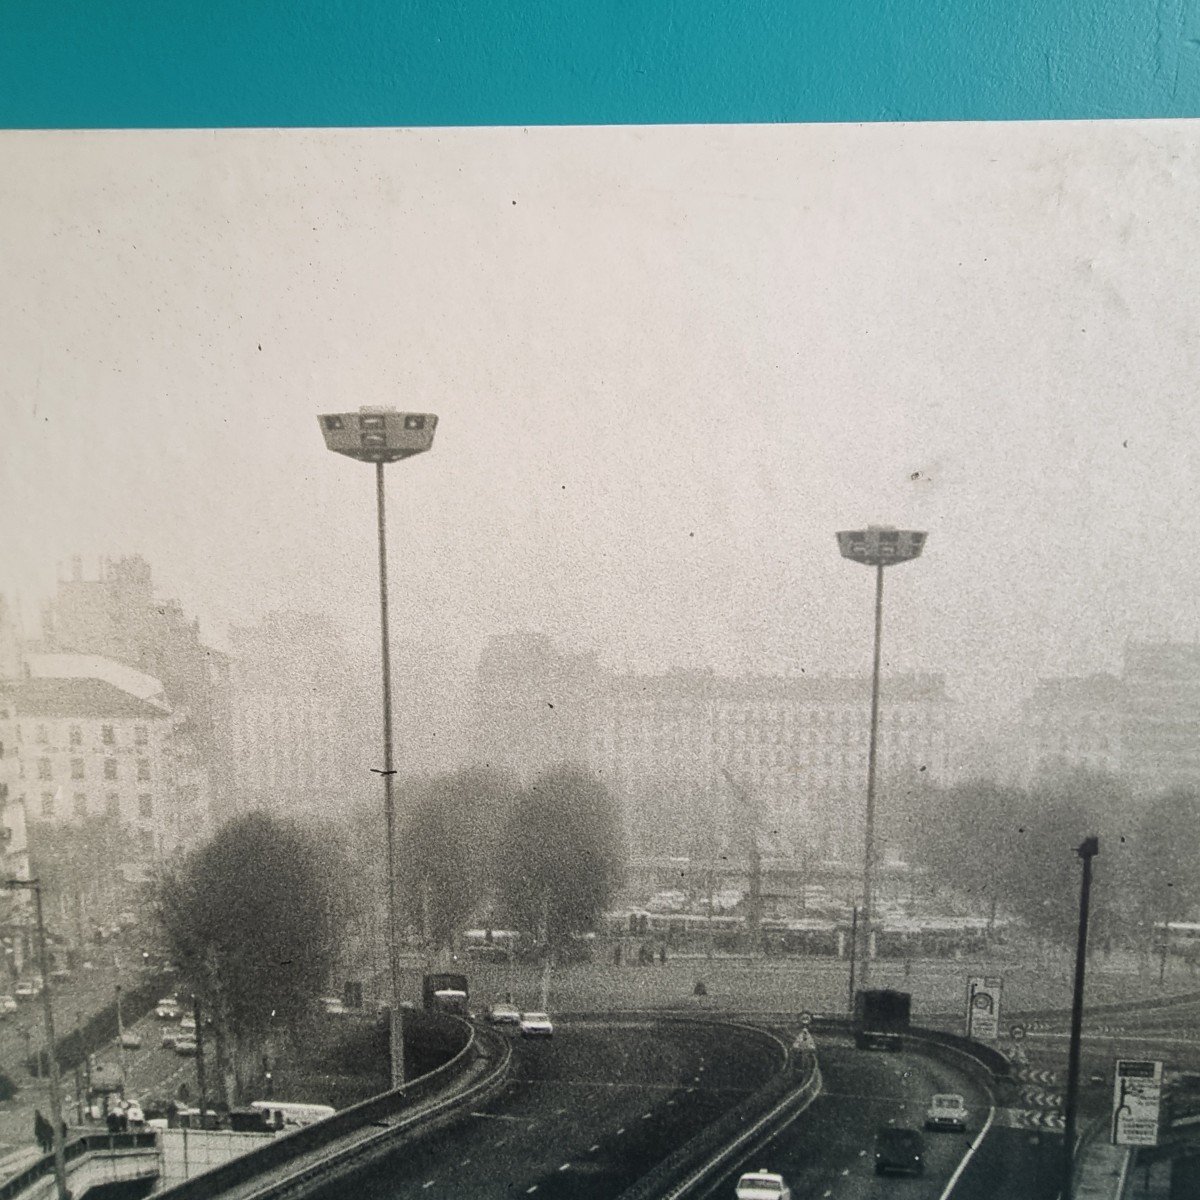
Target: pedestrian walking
{"x": 43, "y": 1131}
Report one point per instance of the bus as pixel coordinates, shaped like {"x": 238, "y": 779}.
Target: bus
{"x": 279, "y": 1115}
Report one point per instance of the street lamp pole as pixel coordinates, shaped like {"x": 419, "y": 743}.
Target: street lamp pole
{"x": 60, "y": 1161}
{"x": 389, "y": 797}
{"x": 379, "y": 436}
{"x": 1087, "y": 851}
{"x": 876, "y": 546}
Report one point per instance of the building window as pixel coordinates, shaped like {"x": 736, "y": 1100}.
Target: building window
{"x": 106, "y": 735}
{"x": 42, "y": 736}
{"x": 145, "y": 806}
{"x": 143, "y": 769}
{"x": 79, "y": 804}
{"x": 140, "y": 735}
{"x": 77, "y": 768}
{"x": 112, "y": 804}
{"x": 44, "y": 769}
{"x": 110, "y": 768}
{"x": 3, "y": 793}
{"x": 1, "y": 749}
{"x": 48, "y": 804}
{"x": 146, "y": 842}
{"x": 76, "y": 735}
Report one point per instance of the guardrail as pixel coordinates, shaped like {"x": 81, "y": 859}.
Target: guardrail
{"x": 362, "y": 1151}
{"x": 787, "y": 1093}
{"x": 74, "y": 1150}
{"x": 277, "y": 1153}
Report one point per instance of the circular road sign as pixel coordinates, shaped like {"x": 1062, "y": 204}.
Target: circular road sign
{"x": 806, "y": 1019}
{"x": 1017, "y": 1032}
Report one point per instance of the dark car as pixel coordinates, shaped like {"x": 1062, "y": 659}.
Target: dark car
{"x": 899, "y": 1150}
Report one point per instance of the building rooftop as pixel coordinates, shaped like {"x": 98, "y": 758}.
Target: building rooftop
{"x": 83, "y": 698}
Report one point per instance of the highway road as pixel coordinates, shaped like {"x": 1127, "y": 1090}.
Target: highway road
{"x": 586, "y": 1113}
{"x": 828, "y": 1151}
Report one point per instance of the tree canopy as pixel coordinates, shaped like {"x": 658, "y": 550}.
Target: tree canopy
{"x": 560, "y": 856}
{"x": 250, "y": 920}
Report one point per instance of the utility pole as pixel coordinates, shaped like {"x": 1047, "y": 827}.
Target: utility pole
{"x": 853, "y": 956}
{"x": 56, "y": 1117}
{"x": 750, "y": 811}
{"x": 201, "y": 1081}
{"x": 1086, "y": 851}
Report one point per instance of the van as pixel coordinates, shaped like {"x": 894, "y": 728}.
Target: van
{"x": 280, "y": 1115}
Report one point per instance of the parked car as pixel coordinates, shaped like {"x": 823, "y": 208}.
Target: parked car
{"x": 167, "y": 1010}
{"x": 130, "y": 1040}
{"x": 333, "y": 1006}
{"x": 536, "y": 1024}
{"x": 60, "y": 973}
{"x": 186, "y": 1046}
{"x": 504, "y": 1014}
{"x": 27, "y": 989}
{"x": 899, "y": 1150}
{"x": 946, "y": 1111}
{"x": 8, "y": 1005}
{"x": 762, "y": 1185}
{"x": 187, "y": 1024}
{"x": 169, "y": 1038}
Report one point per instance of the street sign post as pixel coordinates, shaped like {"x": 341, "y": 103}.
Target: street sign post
{"x": 983, "y": 1007}
{"x": 1137, "y": 1096}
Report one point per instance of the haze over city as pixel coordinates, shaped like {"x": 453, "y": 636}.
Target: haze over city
{"x": 668, "y": 365}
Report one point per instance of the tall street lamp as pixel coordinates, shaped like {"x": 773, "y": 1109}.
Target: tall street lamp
{"x": 379, "y": 436}
{"x": 876, "y": 546}
{"x": 60, "y": 1162}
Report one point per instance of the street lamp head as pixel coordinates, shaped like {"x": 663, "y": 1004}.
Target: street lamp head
{"x": 880, "y": 545}
{"x": 1089, "y": 848}
{"x": 378, "y": 435}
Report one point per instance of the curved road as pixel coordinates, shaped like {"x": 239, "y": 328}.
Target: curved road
{"x": 586, "y": 1113}
{"x": 828, "y": 1151}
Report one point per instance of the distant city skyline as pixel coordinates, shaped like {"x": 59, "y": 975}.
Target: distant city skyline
{"x": 668, "y": 363}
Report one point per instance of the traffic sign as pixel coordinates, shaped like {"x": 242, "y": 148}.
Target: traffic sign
{"x": 806, "y": 1019}
{"x": 983, "y": 1007}
{"x": 1017, "y": 1032}
{"x": 1137, "y": 1095}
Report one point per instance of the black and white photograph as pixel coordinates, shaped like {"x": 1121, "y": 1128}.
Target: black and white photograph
{"x": 601, "y": 663}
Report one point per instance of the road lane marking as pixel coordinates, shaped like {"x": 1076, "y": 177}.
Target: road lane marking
{"x": 564, "y": 1166}
{"x": 593, "y": 1149}
{"x": 845, "y": 1170}
{"x": 531, "y": 1189}
{"x": 429, "y": 1183}
{"x": 646, "y": 1116}
{"x": 620, "y": 1131}
{"x": 966, "y": 1158}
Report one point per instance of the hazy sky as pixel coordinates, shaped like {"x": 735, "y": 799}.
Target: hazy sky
{"x": 668, "y": 365}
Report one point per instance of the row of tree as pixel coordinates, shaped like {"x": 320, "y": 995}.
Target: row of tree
{"x": 1012, "y": 850}
{"x": 254, "y": 918}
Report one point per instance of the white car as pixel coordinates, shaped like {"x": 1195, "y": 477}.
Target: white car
{"x": 333, "y": 1006}
{"x": 167, "y": 1010}
{"x": 762, "y": 1185}
{"x": 504, "y": 1014}
{"x": 946, "y": 1111}
{"x": 186, "y": 1047}
{"x": 27, "y": 989}
{"x": 8, "y": 1005}
{"x": 187, "y": 1025}
{"x": 536, "y": 1024}
{"x": 130, "y": 1040}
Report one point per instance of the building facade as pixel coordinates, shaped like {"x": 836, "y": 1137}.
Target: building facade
{"x": 117, "y": 617}
{"x": 697, "y": 755}
{"x": 1161, "y": 716}
{"x": 1072, "y": 722}
{"x": 89, "y": 753}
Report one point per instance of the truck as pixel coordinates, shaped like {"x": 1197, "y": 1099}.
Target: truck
{"x": 881, "y": 1017}
{"x": 445, "y": 992}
